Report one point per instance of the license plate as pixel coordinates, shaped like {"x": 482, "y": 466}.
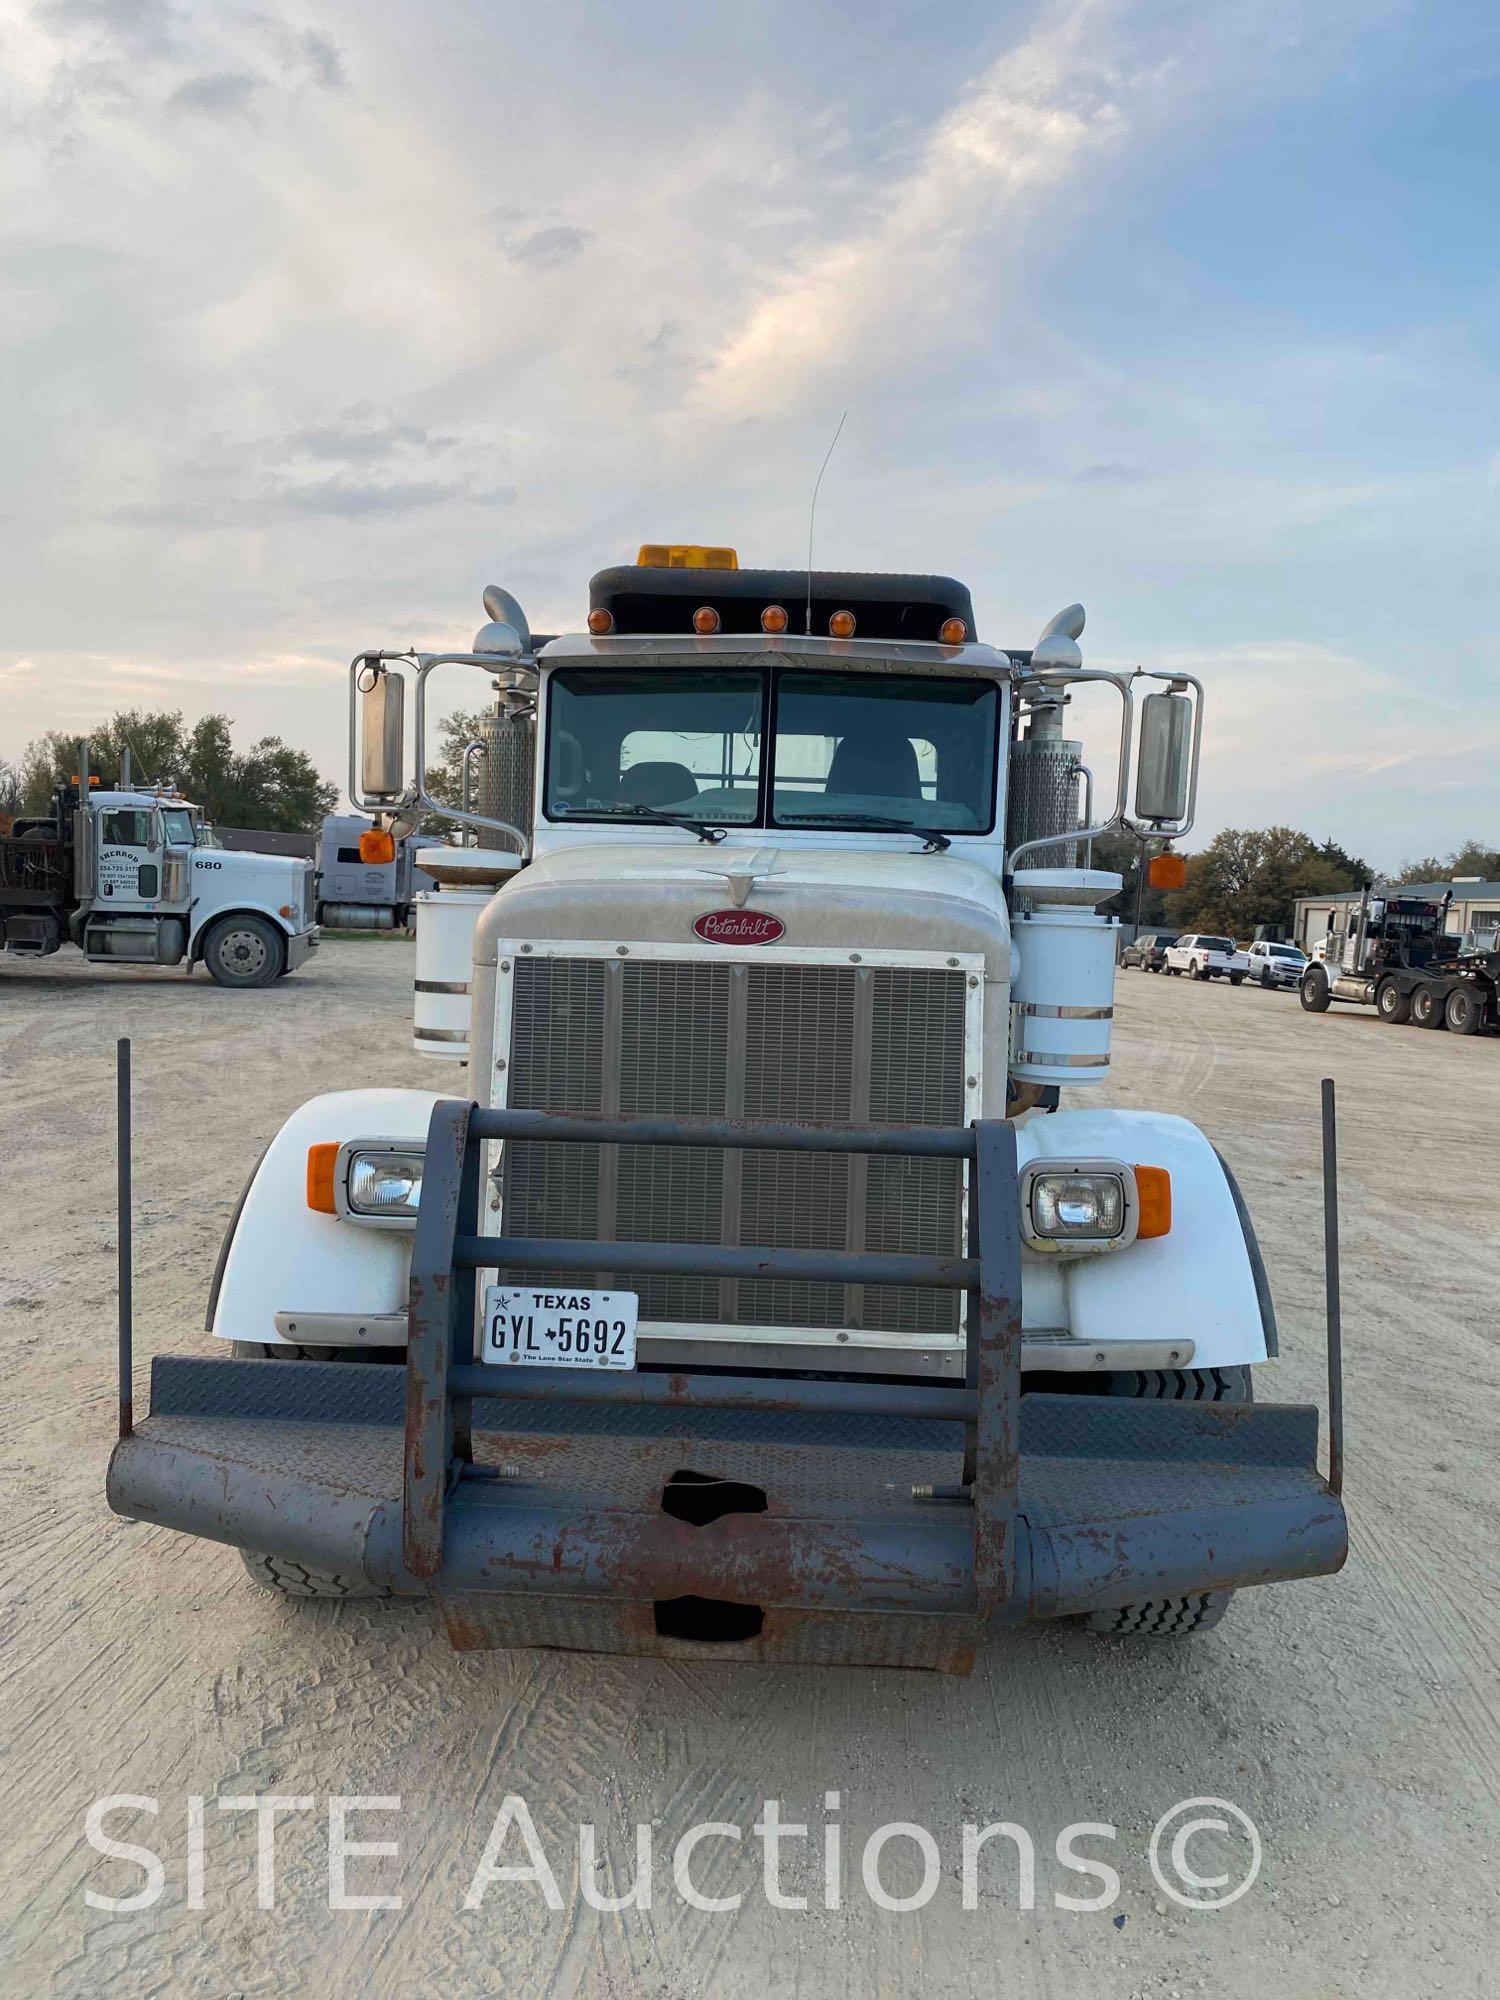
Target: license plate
{"x": 553, "y": 1328}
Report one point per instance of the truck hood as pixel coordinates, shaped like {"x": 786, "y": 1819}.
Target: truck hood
{"x": 242, "y": 865}
{"x": 868, "y": 899}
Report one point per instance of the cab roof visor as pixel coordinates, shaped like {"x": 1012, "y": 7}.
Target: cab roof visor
{"x": 911, "y": 608}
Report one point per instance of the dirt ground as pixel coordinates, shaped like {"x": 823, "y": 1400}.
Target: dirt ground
{"x": 1356, "y": 1720}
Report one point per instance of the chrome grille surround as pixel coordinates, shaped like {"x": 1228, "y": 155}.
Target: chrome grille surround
{"x": 762, "y": 1033}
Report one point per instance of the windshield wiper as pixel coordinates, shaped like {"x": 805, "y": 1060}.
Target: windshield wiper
{"x": 711, "y": 834}
{"x": 933, "y": 842}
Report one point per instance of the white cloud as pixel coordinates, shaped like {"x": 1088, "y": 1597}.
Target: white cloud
{"x": 1306, "y": 736}
{"x": 450, "y": 297}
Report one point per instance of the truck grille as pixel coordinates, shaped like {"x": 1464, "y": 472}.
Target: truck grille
{"x": 840, "y": 1043}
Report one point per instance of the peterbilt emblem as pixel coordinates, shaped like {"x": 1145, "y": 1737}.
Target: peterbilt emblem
{"x": 739, "y": 927}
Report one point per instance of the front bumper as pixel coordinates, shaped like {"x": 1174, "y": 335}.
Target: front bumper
{"x": 300, "y": 946}
{"x": 824, "y": 1522}
{"x": 557, "y": 1535}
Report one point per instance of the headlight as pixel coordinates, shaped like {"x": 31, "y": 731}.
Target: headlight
{"x": 1092, "y": 1205}
{"x": 1073, "y": 1205}
{"x": 384, "y": 1182}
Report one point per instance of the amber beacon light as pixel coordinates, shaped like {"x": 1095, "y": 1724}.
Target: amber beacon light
{"x": 685, "y": 555}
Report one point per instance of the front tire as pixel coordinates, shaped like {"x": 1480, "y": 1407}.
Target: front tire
{"x": 1316, "y": 998}
{"x": 244, "y": 951}
{"x": 1427, "y": 1008}
{"x": 291, "y": 1578}
{"x": 1175, "y": 1617}
{"x": 1392, "y": 1005}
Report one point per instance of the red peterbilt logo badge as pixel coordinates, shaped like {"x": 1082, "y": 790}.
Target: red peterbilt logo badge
{"x": 739, "y": 927}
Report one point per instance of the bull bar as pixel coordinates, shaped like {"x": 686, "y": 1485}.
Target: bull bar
{"x": 721, "y": 1515}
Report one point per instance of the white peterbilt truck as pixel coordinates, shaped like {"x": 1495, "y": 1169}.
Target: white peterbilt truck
{"x": 131, "y": 876}
{"x": 759, "y": 1208}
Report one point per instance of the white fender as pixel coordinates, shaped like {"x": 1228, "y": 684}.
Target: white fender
{"x": 1196, "y": 1282}
{"x": 287, "y": 1258}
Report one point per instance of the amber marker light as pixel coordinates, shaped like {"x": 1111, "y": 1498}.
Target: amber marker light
{"x": 705, "y": 619}
{"x": 1153, "y": 1194}
{"x": 601, "y": 621}
{"x": 841, "y": 625}
{"x": 774, "y": 618}
{"x": 321, "y": 1160}
{"x": 953, "y": 632}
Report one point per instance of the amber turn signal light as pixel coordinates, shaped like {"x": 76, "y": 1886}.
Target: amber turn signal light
{"x": 376, "y": 846}
{"x": 705, "y": 619}
{"x": 321, "y": 1160}
{"x": 841, "y": 625}
{"x": 953, "y": 632}
{"x": 1166, "y": 871}
{"x": 774, "y": 618}
{"x": 1153, "y": 1193}
{"x": 601, "y": 621}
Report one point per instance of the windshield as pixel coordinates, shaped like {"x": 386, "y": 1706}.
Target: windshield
{"x": 847, "y": 749}
{"x": 177, "y": 826}
{"x": 1283, "y": 951}
{"x": 684, "y": 743}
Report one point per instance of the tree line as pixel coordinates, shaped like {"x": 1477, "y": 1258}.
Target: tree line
{"x": 269, "y": 786}
{"x": 1249, "y": 878}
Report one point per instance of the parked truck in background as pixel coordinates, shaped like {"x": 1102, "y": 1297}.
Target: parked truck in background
{"x": 755, "y": 1298}
{"x": 368, "y": 879}
{"x": 1204, "y": 957}
{"x": 1394, "y": 953}
{"x": 128, "y": 876}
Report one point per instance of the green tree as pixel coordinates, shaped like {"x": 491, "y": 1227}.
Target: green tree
{"x": 271, "y": 785}
{"x": 1250, "y": 876}
{"x": 445, "y": 774}
{"x": 11, "y": 792}
{"x": 1474, "y": 857}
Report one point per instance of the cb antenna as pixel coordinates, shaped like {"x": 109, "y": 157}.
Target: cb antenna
{"x": 813, "y": 516}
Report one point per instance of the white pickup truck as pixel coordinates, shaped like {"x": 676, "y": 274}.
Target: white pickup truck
{"x": 1202, "y": 957}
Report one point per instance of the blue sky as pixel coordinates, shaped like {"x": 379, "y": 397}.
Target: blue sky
{"x": 315, "y": 320}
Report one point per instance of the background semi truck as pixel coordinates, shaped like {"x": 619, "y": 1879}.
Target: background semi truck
{"x": 756, "y": 1298}
{"x": 367, "y": 879}
{"x": 1394, "y": 953}
{"x": 127, "y": 876}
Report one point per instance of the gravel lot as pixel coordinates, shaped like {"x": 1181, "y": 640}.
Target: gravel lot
{"x": 1355, "y": 1719}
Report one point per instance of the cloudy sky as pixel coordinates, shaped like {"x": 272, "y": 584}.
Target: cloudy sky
{"x": 315, "y": 319}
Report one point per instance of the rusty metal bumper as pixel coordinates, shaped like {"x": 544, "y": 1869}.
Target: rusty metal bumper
{"x": 556, "y": 1534}
{"x": 741, "y": 1517}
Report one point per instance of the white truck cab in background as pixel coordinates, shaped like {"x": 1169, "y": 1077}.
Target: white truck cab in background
{"x": 131, "y": 876}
